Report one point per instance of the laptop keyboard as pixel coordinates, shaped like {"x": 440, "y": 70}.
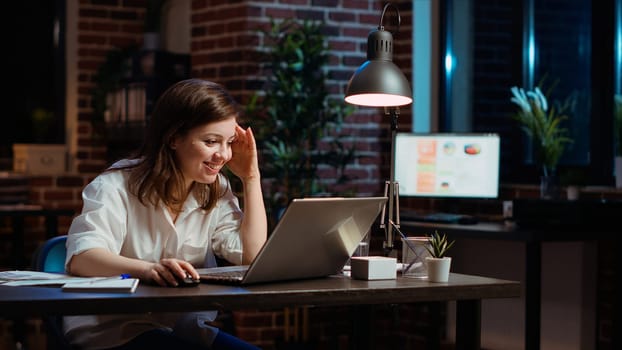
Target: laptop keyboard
{"x": 223, "y": 274}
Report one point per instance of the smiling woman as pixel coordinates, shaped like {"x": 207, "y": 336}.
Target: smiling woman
{"x": 167, "y": 210}
{"x": 36, "y": 35}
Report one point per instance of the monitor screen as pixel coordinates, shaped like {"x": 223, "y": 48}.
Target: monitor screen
{"x": 447, "y": 165}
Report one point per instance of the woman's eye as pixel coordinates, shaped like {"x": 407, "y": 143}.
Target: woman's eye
{"x": 210, "y": 142}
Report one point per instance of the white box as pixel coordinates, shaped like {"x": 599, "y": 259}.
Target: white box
{"x": 373, "y": 267}
{"x": 39, "y": 159}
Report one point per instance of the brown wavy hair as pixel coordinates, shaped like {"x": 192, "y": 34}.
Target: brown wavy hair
{"x": 185, "y": 105}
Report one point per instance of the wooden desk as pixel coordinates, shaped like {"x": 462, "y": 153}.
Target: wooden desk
{"x": 17, "y": 213}
{"x": 467, "y": 290}
{"x": 533, "y": 239}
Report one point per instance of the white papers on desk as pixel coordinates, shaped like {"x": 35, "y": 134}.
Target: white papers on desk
{"x": 36, "y": 278}
{"x": 67, "y": 282}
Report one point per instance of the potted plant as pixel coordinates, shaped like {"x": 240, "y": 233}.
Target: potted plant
{"x": 544, "y": 126}
{"x": 297, "y": 124}
{"x": 438, "y": 263}
{"x": 109, "y": 78}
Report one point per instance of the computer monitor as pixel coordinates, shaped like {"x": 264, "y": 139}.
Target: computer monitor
{"x": 456, "y": 165}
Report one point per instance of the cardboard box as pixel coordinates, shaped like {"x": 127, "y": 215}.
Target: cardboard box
{"x": 373, "y": 267}
{"x": 39, "y": 159}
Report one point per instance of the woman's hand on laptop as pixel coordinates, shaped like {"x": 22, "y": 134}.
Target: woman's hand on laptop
{"x": 168, "y": 272}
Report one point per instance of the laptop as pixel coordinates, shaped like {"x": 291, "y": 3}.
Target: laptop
{"x": 314, "y": 238}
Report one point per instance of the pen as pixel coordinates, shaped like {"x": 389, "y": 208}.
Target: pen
{"x": 123, "y": 276}
{"x": 408, "y": 243}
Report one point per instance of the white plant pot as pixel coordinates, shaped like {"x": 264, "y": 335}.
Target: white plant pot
{"x": 438, "y": 269}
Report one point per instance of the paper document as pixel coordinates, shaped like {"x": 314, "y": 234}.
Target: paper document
{"x": 36, "y": 278}
{"x": 16, "y": 278}
{"x": 103, "y": 285}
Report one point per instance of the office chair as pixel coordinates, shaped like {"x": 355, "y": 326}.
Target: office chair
{"x": 50, "y": 257}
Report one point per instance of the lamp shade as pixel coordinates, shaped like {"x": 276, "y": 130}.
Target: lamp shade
{"x": 378, "y": 82}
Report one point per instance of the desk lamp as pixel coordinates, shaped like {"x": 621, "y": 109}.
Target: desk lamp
{"x": 378, "y": 82}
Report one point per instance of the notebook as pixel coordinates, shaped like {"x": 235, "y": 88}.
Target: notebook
{"x": 103, "y": 285}
{"x": 314, "y": 238}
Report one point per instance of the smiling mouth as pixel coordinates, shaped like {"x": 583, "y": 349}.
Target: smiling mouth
{"x": 213, "y": 167}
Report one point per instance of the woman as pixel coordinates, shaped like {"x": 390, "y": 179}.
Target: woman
{"x": 166, "y": 211}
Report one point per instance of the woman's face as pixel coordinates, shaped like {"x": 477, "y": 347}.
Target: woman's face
{"x": 204, "y": 150}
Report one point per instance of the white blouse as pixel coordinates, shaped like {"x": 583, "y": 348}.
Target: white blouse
{"x": 114, "y": 219}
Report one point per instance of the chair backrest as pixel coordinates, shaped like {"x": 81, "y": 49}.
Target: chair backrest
{"x": 51, "y": 256}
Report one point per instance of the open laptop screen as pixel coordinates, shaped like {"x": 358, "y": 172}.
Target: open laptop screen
{"x": 458, "y": 165}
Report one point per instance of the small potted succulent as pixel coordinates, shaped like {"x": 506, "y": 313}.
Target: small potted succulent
{"x": 438, "y": 263}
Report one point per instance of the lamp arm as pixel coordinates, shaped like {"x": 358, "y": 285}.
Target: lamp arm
{"x": 390, "y": 216}
{"x": 399, "y": 19}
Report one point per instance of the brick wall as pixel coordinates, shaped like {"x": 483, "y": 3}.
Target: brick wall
{"x": 224, "y": 44}
{"x": 102, "y": 27}
{"x": 225, "y": 40}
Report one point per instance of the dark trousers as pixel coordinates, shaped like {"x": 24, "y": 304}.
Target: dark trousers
{"x": 160, "y": 339}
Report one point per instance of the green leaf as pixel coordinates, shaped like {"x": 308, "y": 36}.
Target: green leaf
{"x": 545, "y": 129}
{"x": 438, "y": 245}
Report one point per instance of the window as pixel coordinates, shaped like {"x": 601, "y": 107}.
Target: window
{"x": 35, "y": 75}
{"x": 489, "y": 46}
